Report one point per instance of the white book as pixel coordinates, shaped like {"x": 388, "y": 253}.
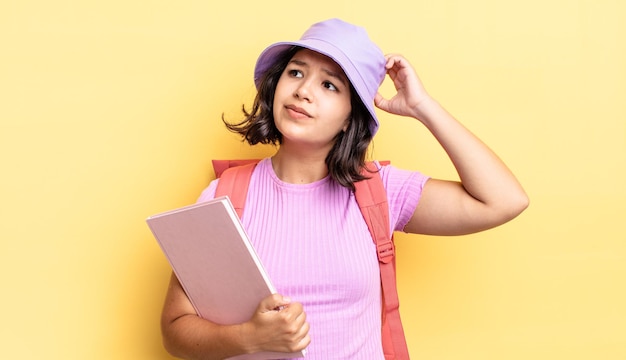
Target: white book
{"x": 218, "y": 268}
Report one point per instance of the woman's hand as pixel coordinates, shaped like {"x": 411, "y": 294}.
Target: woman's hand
{"x": 410, "y": 91}
{"x": 278, "y": 325}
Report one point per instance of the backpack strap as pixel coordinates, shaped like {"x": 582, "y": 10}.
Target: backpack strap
{"x": 219, "y": 166}
{"x": 234, "y": 183}
{"x": 372, "y": 199}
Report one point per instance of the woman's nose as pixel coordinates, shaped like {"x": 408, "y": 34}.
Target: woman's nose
{"x": 303, "y": 91}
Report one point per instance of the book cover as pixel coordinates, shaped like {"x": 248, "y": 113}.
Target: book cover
{"x": 218, "y": 268}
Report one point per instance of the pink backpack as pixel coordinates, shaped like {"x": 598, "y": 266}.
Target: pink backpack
{"x": 372, "y": 199}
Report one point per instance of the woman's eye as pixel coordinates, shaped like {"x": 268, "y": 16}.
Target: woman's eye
{"x": 330, "y": 86}
{"x": 295, "y": 73}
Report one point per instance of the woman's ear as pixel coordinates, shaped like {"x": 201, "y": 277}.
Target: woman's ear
{"x": 347, "y": 123}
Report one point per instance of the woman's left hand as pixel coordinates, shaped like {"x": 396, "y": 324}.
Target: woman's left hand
{"x": 410, "y": 91}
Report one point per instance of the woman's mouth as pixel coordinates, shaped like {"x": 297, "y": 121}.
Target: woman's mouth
{"x": 297, "y": 112}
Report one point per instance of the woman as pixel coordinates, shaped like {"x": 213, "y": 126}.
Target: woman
{"x": 316, "y": 100}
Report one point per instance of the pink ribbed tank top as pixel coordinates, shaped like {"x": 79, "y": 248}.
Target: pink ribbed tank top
{"x": 316, "y": 248}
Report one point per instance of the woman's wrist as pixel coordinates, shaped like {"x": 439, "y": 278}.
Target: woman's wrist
{"x": 427, "y": 110}
{"x": 245, "y": 338}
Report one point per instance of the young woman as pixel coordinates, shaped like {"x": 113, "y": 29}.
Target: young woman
{"x": 315, "y": 101}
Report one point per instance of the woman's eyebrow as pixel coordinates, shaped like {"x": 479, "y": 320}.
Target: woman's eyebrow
{"x": 329, "y": 72}
{"x": 336, "y": 75}
{"x": 298, "y": 62}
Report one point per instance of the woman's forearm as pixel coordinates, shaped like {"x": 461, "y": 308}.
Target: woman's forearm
{"x": 278, "y": 325}
{"x": 191, "y": 337}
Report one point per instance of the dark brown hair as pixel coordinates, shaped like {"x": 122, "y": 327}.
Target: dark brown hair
{"x": 345, "y": 160}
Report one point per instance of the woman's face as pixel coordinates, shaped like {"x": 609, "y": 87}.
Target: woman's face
{"x": 312, "y": 101}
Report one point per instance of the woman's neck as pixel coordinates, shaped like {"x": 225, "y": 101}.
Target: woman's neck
{"x": 296, "y": 168}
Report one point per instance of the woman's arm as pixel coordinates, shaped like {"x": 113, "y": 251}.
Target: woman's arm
{"x": 487, "y": 195}
{"x": 188, "y": 336}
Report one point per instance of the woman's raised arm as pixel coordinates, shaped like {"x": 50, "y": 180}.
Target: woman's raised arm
{"x": 488, "y": 194}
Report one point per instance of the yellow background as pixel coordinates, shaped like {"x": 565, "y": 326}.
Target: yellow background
{"x": 109, "y": 112}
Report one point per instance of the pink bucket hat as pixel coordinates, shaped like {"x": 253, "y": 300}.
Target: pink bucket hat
{"x": 349, "y": 46}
